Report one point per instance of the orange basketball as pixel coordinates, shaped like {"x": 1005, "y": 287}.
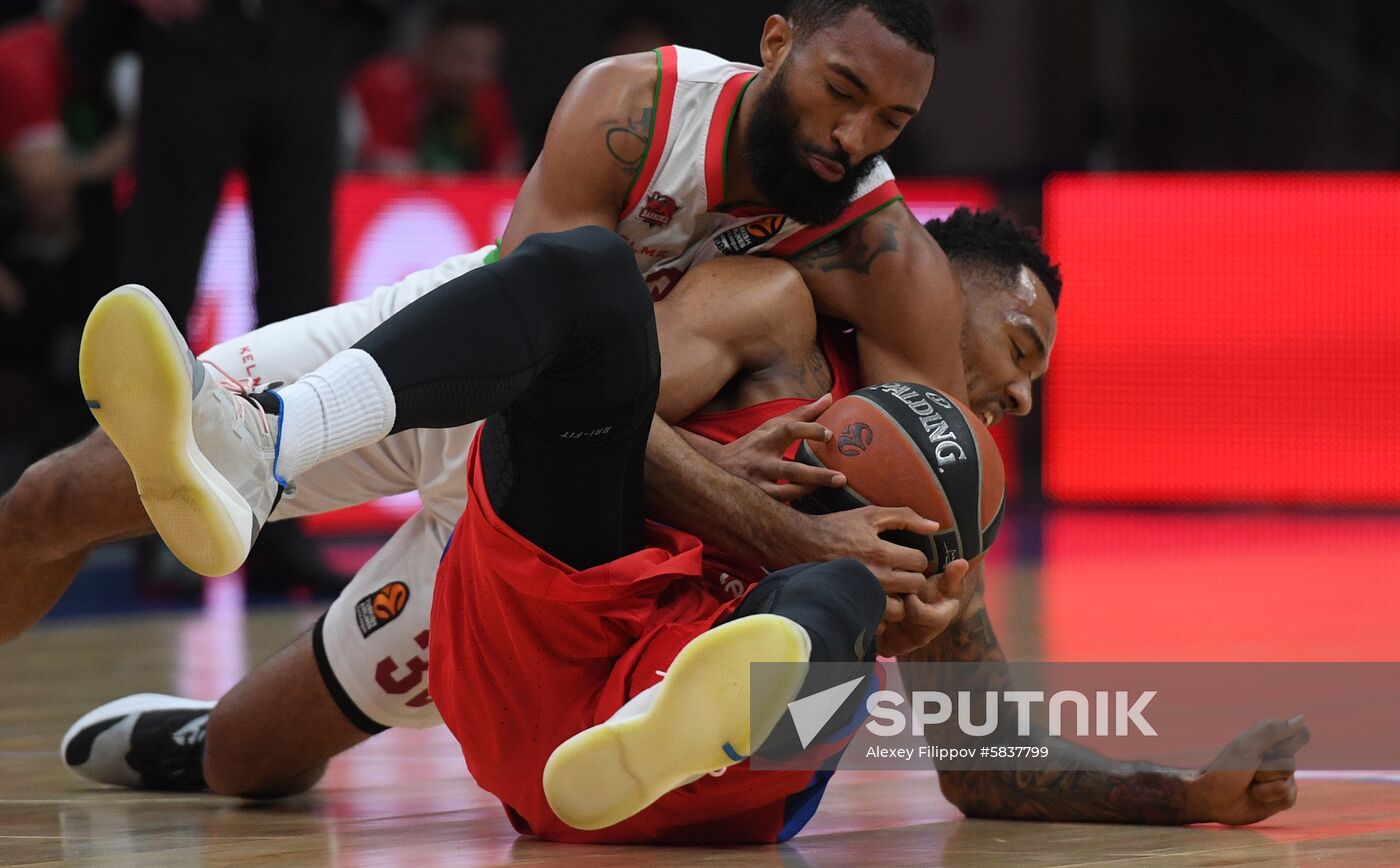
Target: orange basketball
{"x": 902, "y": 444}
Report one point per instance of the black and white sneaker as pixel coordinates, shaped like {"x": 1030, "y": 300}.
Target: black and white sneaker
{"x": 147, "y": 741}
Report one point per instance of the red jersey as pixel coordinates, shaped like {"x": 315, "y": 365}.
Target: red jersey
{"x": 524, "y": 652}
{"x": 839, "y": 345}
{"x": 726, "y": 426}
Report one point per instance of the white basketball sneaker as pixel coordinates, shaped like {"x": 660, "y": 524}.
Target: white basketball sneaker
{"x": 696, "y": 721}
{"x": 199, "y": 443}
{"x": 147, "y": 741}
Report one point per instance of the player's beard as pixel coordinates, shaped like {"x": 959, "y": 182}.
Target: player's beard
{"x": 777, "y": 162}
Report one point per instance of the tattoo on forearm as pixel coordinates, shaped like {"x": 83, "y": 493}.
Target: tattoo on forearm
{"x": 854, "y": 249}
{"x": 1141, "y": 795}
{"x": 627, "y": 140}
{"x": 1080, "y": 785}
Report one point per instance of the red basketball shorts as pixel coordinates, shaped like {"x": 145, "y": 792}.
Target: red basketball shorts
{"x": 525, "y": 652}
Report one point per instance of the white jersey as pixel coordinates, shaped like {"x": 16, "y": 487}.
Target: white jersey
{"x": 677, "y": 214}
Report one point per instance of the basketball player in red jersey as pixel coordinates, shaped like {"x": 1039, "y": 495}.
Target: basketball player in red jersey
{"x": 997, "y": 320}
{"x": 555, "y": 606}
{"x": 725, "y": 350}
{"x": 864, "y": 254}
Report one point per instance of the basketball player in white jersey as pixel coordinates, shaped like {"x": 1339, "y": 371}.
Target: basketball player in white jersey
{"x": 691, "y": 158}
{"x": 893, "y": 284}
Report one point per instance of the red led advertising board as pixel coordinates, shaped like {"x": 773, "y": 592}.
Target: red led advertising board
{"x": 1225, "y": 339}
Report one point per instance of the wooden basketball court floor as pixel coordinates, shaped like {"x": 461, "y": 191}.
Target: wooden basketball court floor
{"x": 1085, "y": 586}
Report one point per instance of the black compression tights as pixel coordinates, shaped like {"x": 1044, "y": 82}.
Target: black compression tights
{"x": 840, "y": 605}
{"x": 555, "y": 346}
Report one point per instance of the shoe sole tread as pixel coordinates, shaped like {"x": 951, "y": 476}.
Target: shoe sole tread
{"x": 614, "y": 770}
{"x": 134, "y": 369}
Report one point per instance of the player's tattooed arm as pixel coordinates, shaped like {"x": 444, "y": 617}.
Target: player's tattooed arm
{"x": 1074, "y": 785}
{"x": 888, "y": 278}
{"x": 596, "y": 139}
{"x": 852, "y": 249}
{"x": 627, "y": 140}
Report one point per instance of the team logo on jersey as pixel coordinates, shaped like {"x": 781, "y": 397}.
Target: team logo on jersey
{"x": 658, "y": 209}
{"x": 742, "y": 239}
{"x": 381, "y": 607}
{"x": 855, "y": 439}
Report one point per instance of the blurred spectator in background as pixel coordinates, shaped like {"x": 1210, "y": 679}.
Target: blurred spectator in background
{"x": 633, "y": 26}
{"x": 37, "y": 209}
{"x": 51, "y": 185}
{"x": 99, "y": 113}
{"x": 445, "y": 108}
{"x": 35, "y": 217}
{"x": 256, "y": 86}
{"x": 237, "y": 84}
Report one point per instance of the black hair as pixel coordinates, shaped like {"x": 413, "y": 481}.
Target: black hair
{"x": 910, "y": 19}
{"x": 994, "y": 240}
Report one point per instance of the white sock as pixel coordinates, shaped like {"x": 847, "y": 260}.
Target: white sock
{"x": 337, "y": 408}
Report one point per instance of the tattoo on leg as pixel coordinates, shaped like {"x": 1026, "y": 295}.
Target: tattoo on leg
{"x": 627, "y": 141}
{"x": 853, "y": 249}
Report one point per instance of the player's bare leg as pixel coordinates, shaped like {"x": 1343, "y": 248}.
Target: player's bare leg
{"x": 55, "y": 515}
{"x": 242, "y": 758}
{"x": 270, "y": 736}
{"x": 251, "y": 751}
{"x": 83, "y": 496}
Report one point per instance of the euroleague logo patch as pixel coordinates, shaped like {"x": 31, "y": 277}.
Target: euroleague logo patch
{"x": 381, "y": 607}
{"x": 855, "y": 439}
{"x": 742, "y": 239}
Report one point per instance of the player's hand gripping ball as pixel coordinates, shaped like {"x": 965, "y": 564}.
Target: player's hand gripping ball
{"x": 902, "y": 444}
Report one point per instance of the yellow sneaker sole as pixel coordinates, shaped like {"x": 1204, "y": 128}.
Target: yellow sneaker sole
{"x": 700, "y": 722}
{"x": 135, "y": 372}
